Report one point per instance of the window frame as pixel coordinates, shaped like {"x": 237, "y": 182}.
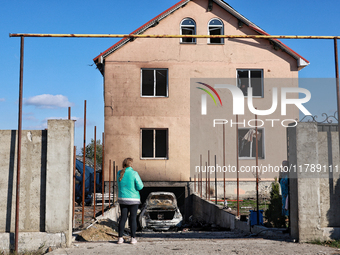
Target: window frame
{"x": 195, "y": 31}
{"x": 263, "y": 144}
{"x": 154, "y": 82}
{"x": 222, "y": 29}
{"x": 154, "y": 144}
{"x": 249, "y": 80}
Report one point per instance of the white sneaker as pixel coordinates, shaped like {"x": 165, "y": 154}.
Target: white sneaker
{"x": 133, "y": 240}
{"x": 120, "y": 240}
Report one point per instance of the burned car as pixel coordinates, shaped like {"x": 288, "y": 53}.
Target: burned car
{"x": 160, "y": 212}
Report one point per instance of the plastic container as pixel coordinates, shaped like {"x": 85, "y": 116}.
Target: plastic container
{"x": 253, "y": 217}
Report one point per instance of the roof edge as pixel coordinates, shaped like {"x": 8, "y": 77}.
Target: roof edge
{"x": 143, "y": 28}
{"x": 301, "y": 61}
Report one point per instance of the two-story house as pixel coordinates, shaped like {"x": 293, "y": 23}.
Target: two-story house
{"x": 153, "y": 108}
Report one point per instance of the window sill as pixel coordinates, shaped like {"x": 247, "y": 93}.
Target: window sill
{"x": 259, "y": 97}
{"x": 187, "y": 43}
{"x": 215, "y": 43}
{"x": 247, "y": 158}
{"x": 154, "y": 158}
{"x": 155, "y": 96}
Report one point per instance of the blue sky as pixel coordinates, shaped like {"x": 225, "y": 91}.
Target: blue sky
{"x": 58, "y": 72}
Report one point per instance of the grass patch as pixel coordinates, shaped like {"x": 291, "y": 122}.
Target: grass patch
{"x": 246, "y": 205}
{"x": 330, "y": 243}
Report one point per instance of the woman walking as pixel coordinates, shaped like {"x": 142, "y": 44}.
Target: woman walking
{"x": 129, "y": 185}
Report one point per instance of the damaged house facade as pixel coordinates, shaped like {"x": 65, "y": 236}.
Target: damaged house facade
{"x": 149, "y": 84}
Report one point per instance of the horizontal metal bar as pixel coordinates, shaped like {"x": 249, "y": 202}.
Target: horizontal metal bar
{"x": 176, "y": 36}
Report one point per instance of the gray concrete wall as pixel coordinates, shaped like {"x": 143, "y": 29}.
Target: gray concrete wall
{"x": 314, "y": 196}
{"x": 212, "y": 213}
{"x": 59, "y": 181}
{"x": 32, "y": 184}
{"x": 45, "y": 184}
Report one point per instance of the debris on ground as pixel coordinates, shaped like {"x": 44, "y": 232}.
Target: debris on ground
{"x": 103, "y": 230}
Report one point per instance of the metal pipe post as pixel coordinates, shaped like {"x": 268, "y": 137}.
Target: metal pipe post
{"x": 201, "y": 165}
{"x": 223, "y": 162}
{"x": 114, "y": 182}
{"x": 110, "y": 183}
{"x": 95, "y": 173}
{"x": 206, "y": 180}
{"x": 208, "y": 175}
{"x": 17, "y": 207}
{"x": 84, "y": 161}
{"x": 117, "y": 181}
{"x": 257, "y": 172}
{"x": 215, "y": 182}
{"x": 69, "y": 113}
{"x": 103, "y": 176}
{"x": 237, "y": 170}
{"x": 337, "y": 83}
{"x": 74, "y": 183}
{"x": 194, "y": 182}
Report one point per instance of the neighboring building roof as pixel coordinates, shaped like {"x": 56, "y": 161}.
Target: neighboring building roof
{"x": 302, "y": 62}
{"x": 89, "y": 162}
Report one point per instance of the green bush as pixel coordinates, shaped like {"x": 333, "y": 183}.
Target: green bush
{"x": 274, "y": 212}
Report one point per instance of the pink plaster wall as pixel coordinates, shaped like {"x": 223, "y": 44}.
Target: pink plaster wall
{"x": 126, "y": 111}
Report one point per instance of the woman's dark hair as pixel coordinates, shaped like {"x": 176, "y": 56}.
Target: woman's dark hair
{"x": 126, "y": 163}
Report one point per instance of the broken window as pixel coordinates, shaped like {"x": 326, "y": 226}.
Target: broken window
{"x": 216, "y": 28}
{"x": 154, "y": 82}
{"x": 247, "y": 143}
{"x": 250, "y": 78}
{"x": 188, "y": 27}
{"x": 154, "y": 143}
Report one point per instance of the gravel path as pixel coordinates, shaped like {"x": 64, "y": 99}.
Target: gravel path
{"x": 198, "y": 243}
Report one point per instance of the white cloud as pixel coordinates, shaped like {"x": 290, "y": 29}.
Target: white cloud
{"x": 48, "y": 101}
{"x": 2, "y": 99}
{"x": 30, "y": 118}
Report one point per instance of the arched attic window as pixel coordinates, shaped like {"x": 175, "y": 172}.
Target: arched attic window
{"x": 188, "y": 27}
{"x": 215, "y": 27}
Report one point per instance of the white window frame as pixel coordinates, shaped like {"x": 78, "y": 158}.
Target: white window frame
{"x": 194, "y": 26}
{"x": 251, "y": 145}
{"x": 154, "y": 81}
{"x": 249, "y": 78}
{"x": 154, "y": 144}
{"x": 222, "y": 26}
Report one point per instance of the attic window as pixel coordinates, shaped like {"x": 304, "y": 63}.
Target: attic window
{"x": 216, "y": 28}
{"x": 188, "y": 27}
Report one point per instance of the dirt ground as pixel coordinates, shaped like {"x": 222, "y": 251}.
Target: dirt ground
{"x": 192, "y": 242}
{"x": 101, "y": 238}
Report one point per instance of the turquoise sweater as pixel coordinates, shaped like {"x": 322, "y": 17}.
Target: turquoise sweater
{"x": 129, "y": 187}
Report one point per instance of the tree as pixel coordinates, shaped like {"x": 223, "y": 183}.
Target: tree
{"x": 89, "y": 151}
{"x": 274, "y": 212}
